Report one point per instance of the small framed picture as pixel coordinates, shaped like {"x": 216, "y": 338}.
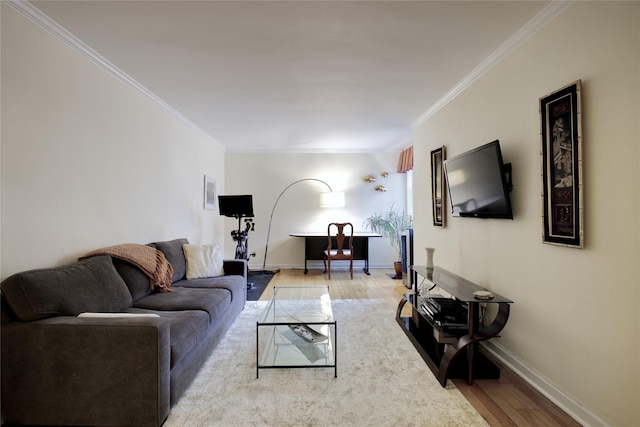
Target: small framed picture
{"x": 209, "y": 192}
{"x": 437, "y": 186}
{"x": 561, "y": 157}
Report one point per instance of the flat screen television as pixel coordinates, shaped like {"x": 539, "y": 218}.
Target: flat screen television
{"x": 479, "y": 183}
{"x": 236, "y": 206}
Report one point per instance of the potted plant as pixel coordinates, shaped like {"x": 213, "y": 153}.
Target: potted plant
{"x": 391, "y": 224}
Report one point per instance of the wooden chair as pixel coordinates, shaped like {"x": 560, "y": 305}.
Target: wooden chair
{"x": 340, "y": 252}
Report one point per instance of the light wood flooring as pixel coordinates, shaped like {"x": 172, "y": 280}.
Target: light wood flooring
{"x": 508, "y": 401}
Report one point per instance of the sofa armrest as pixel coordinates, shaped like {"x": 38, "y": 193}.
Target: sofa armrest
{"x": 86, "y": 371}
{"x": 235, "y": 267}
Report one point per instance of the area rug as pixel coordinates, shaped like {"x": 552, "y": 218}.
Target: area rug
{"x": 259, "y": 282}
{"x": 382, "y": 381}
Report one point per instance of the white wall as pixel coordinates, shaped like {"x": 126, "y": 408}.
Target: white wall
{"x": 575, "y": 322}
{"x": 89, "y": 162}
{"x": 265, "y": 176}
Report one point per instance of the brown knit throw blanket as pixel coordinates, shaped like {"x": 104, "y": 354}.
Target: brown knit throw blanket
{"x": 151, "y": 261}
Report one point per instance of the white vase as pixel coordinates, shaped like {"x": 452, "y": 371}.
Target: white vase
{"x": 430, "y": 252}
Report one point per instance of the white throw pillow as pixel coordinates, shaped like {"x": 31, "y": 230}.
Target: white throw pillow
{"x": 203, "y": 260}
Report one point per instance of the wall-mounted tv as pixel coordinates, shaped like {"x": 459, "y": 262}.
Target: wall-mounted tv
{"x": 236, "y": 206}
{"x": 479, "y": 183}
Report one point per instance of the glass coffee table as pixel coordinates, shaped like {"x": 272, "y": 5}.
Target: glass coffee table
{"x": 297, "y": 330}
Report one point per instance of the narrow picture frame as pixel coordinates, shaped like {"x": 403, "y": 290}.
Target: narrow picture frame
{"x": 561, "y": 155}
{"x": 437, "y": 186}
{"x": 209, "y": 197}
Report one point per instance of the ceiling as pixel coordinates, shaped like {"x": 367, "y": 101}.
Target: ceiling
{"x": 297, "y": 76}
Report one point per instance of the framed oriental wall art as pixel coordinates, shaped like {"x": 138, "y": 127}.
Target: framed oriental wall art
{"x": 437, "y": 186}
{"x": 561, "y": 152}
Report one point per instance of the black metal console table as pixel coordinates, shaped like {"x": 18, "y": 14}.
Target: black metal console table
{"x": 452, "y": 353}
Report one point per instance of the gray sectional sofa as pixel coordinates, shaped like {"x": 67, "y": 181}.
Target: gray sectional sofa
{"x": 124, "y": 369}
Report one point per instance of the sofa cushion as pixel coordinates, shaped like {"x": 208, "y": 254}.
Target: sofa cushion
{"x": 172, "y": 250}
{"x": 186, "y": 329}
{"x": 203, "y": 260}
{"x": 139, "y": 284}
{"x": 212, "y": 301}
{"x": 233, "y": 283}
{"x": 92, "y": 284}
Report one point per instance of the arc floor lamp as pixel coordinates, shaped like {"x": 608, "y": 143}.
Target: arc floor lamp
{"x": 330, "y": 199}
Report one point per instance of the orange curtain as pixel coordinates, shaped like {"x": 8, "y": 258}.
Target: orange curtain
{"x": 406, "y": 160}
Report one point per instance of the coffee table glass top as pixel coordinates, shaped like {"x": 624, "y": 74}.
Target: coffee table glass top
{"x": 297, "y": 329}
{"x": 299, "y": 304}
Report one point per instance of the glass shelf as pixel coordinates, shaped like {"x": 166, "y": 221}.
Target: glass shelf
{"x": 297, "y": 330}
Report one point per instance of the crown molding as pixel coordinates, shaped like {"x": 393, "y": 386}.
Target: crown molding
{"x": 546, "y": 15}
{"x": 36, "y": 16}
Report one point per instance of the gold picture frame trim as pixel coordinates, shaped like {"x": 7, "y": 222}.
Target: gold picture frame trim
{"x": 437, "y": 186}
{"x": 561, "y": 154}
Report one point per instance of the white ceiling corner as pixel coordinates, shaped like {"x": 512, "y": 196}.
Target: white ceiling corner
{"x": 279, "y": 76}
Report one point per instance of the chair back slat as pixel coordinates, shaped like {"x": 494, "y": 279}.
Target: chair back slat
{"x": 340, "y": 236}
{"x": 343, "y": 231}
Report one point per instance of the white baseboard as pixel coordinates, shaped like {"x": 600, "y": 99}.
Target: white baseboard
{"x": 573, "y": 408}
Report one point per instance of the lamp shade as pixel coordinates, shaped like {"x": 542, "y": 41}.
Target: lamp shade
{"x": 334, "y": 199}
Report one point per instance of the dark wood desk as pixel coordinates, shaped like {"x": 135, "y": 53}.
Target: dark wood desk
{"x": 316, "y": 242}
